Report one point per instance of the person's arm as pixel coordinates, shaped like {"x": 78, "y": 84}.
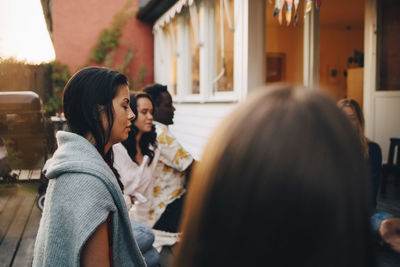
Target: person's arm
{"x": 96, "y": 250}
{"x": 389, "y": 232}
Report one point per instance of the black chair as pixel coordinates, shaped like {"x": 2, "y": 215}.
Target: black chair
{"x": 392, "y": 167}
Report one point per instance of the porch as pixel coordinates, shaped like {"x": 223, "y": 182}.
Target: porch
{"x": 19, "y": 221}
{"x": 20, "y": 217}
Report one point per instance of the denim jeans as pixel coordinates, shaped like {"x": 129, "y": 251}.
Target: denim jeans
{"x": 144, "y": 238}
{"x": 377, "y": 218}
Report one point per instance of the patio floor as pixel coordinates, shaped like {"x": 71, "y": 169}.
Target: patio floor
{"x": 19, "y": 221}
{"x": 20, "y": 217}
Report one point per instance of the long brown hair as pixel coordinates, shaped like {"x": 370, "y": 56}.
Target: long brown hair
{"x": 351, "y": 103}
{"x": 280, "y": 184}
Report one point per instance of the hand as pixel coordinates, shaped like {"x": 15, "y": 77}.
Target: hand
{"x": 133, "y": 199}
{"x": 390, "y": 233}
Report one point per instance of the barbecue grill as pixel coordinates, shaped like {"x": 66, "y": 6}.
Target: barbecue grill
{"x": 27, "y": 134}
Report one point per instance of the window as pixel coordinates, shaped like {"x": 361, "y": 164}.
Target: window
{"x": 195, "y": 49}
{"x": 388, "y": 45}
{"x": 223, "y": 80}
{"x": 199, "y": 65}
{"x": 172, "y": 75}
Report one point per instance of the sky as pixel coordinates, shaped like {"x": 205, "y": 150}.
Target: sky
{"x": 23, "y": 32}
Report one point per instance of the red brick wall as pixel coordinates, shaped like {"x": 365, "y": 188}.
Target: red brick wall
{"x": 76, "y": 27}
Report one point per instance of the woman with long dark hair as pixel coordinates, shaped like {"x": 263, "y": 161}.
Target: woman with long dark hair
{"x": 136, "y": 159}
{"x": 282, "y": 184}
{"x": 85, "y": 221}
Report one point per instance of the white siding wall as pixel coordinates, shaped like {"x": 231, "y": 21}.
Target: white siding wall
{"x": 195, "y": 123}
{"x": 386, "y": 122}
{"x": 381, "y": 108}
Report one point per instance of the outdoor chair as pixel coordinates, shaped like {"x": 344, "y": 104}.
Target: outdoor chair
{"x": 392, "y": 167}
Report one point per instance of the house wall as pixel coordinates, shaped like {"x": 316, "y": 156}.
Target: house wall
{"x": 337, "y": 43}
{"x": 381, "y": 108}
{"x": 76, "y": 27}
{"x": 197, "y": 117}
{"x": 386, "y": 122}
{"x": 195, "y": 123}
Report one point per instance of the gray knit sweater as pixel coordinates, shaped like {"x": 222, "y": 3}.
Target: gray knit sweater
{"x": 81, "y": 193}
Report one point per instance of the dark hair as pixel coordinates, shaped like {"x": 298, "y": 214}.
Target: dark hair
{"x": 290, "y": 190}
{"x": 155, "y": 91}
{"x": 146, "y": 139}
{"x": 86, "y": 92}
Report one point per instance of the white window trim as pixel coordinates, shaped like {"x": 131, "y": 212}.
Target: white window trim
{"x": 311, "y": 49}
{"x": 212, "y": 95}
{"x": 370, "y": 52}
{"x": 184, "y": 76}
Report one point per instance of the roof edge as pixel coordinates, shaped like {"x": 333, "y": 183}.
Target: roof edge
{"x": 151, "y": 10}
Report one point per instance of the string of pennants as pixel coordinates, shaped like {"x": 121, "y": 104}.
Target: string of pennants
{"x": 292, "y": 5}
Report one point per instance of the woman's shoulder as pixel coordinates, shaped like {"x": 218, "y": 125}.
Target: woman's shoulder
{"x": 121, "y": 155}
{"x": 119, "y": 147}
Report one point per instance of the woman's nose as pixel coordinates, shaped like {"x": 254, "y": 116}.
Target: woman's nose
{"x": 131, "y": 115}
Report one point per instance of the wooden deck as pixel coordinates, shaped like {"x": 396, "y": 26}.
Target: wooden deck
{"x": 19, "y": 221}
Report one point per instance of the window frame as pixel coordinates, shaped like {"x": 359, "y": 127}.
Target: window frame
{"x": 208, "y": 47}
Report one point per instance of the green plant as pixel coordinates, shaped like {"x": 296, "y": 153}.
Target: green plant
{"x": 138, "y": 82}
{"x": 60, "y": 76}
{"x": 109, "y": 38}
{"x": 124, "y": 67}
{"x": 108, "y": 42}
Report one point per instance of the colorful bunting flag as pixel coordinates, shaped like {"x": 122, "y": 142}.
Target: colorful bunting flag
{"x": 289, "y": 7}
{"x": 278, "y": 6}
{"x": 296, "y": 11}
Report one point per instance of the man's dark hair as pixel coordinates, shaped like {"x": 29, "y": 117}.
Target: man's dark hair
{"x": 155, "y": 91}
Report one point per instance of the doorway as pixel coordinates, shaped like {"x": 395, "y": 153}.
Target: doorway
{"x": 341, "y": 44}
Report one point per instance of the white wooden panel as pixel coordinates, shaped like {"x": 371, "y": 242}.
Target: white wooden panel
{"x": 194, "y": 124}
{"x": 24, "y": 175}
{"x": 387, "y": 120}
{"x": 370, "y": 41}
{"x": 35, "y": 175}
{"x": 161, "y": 56}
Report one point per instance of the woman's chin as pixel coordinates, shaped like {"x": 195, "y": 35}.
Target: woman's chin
{"x": 125, "y": 137}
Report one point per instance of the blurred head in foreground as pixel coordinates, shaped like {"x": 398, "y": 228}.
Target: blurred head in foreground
{"x": 282, "y": 184}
